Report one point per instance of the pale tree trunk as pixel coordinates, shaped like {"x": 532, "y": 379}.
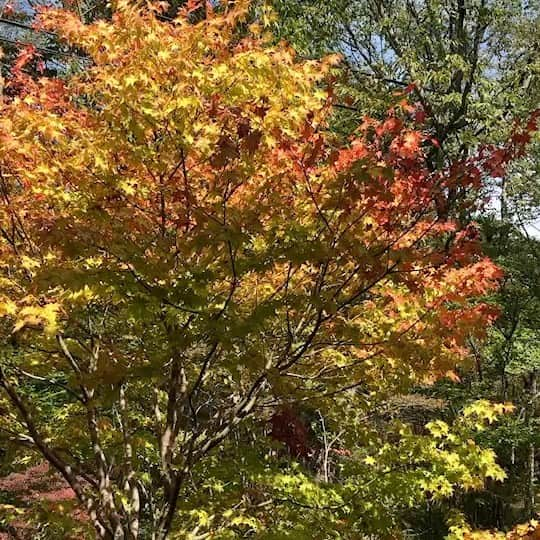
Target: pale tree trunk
{"x": 530, "y": 502}
{"x": 531, "y": 459}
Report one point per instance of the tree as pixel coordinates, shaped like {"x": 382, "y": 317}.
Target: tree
{"x": 507, "y": 364}
{"x": 471, "y": 67}
{"x": 472, "y": 62}
{"x": 184, "y": 246}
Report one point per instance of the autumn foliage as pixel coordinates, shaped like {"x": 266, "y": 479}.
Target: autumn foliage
{"x": 182, "y": 241}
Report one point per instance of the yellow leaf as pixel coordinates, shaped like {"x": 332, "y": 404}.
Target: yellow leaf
{"x": 38, "y": 318}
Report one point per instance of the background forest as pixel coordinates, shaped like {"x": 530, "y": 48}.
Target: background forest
{"x": 440, "y": 438}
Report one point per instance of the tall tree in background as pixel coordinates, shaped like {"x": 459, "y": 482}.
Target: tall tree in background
{"x": 471, "y": 65}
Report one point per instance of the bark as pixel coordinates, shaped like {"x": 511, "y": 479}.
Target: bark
{"x": 531, "y": 460}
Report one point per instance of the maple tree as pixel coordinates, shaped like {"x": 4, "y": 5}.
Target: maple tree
{"x": 185, "y": 247}
{"x": 471, "y": 67}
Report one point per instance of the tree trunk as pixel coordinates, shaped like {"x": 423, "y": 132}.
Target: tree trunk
{"x": 531, "y": 460}
{"x": 530, "y": 502}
